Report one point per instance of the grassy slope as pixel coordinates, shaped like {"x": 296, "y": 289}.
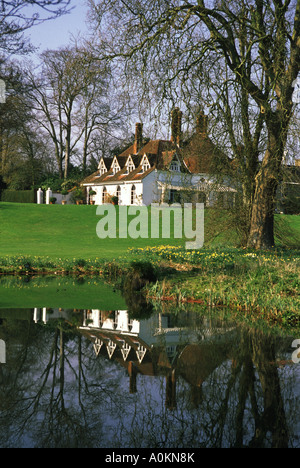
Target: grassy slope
{"x": 70, "y": 232}
{"x": 58, "y": 231}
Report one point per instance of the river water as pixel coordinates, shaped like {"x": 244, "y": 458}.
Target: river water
{"x": 139, "y": 376}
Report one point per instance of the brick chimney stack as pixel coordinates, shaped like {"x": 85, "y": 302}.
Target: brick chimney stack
{"x": 138, "y": 141}
{"x": 201, "y": 124}
{"x": 176, "y": 132}
{"x": 179, "y": 131}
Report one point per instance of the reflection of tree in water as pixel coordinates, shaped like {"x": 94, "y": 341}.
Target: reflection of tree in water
{"x": 61, "y": 426}
{"x": 238, "y": 404}
{"x": 272, "y": 419}
{"x": 55, "y": 392}
{"x": 52, "y": 387}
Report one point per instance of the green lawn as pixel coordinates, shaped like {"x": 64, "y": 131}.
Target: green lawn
{"x": 69, "y": 232}
{"x": 60, "y": 231}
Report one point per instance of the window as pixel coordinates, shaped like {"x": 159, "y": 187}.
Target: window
{"x": 118, "y": 194}
{"x": 146, "y": 166}
{"x": 115, "y": 168}
{"x": 130, "y": 167}
{"x": 103, "y": 169}
{"x": 133, "y": 195}
{"x": 174, "y": 196}
{"x": 175, "y": 166}
{"x": 104, "y": 195}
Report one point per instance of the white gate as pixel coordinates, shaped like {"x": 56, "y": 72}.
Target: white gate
{"x": 2, "y": 352}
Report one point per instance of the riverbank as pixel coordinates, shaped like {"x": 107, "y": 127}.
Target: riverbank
{"x": 252, "y": 285}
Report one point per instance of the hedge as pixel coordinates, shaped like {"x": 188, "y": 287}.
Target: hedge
{"x": 18, "y": 196}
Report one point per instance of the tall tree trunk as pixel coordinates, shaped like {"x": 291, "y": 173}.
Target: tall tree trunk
{"x": 261, "y": 234}
{"x": 84, "y": 152}
{"x": 58, "y": 157}
{"x": 68, "y": 149}
{"x": 67, "y": 160}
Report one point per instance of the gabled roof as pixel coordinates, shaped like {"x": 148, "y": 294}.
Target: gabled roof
{"x": 121, "y": 176}
{"x": 156, "y": 148}
{"x": 159, "y": 154}
{"x": 121, "y": 160}
{"x": 197, "y": 156}
{"x": 107, "y": 162}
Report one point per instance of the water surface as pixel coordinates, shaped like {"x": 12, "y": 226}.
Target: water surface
{"x": 122, "y": 377}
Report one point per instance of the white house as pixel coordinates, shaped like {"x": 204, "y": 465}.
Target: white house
{"x": 160, "y": 171}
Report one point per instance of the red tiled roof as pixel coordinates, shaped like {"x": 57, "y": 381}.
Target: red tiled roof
{"x": 120, "y": 176}
{"x": 198, "y": 155}
{"x": 128, "y": 151}
{"x": 159, "y": 153}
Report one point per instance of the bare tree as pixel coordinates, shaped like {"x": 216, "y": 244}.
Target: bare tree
{"x": 23, "y": 154}
{"x": 71, "y": 102}
{"x": 56, "y": 92}
{"x": 17, "y": 16}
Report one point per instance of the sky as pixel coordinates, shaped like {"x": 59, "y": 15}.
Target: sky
{"x": 57, "y": 33}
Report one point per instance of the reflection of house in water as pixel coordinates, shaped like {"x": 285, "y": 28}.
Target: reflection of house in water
{"x": 154, "y": 347}
{"x": 45, "y": 314}
{"x": 150, "y": 347}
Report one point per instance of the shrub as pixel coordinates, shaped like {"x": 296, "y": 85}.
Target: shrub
{"x": 139, "y": 274}
{"x": 79, "y": 194}
{"x": 53, "y": 182}
{"x": 18, "y": 196}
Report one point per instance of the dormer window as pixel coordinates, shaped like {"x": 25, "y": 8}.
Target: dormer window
{"x": 146, "y": 167}
{"x": 115, "y": 166}
{"x": 175, "y": 166}
{"x": 145, "y": 164}
{"x": 129, "y": 166}
{"x": 102, "y": 168}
